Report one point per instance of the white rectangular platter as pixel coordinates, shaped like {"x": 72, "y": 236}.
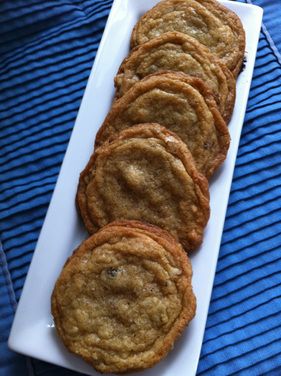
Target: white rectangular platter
{"x": 33, "y": 332}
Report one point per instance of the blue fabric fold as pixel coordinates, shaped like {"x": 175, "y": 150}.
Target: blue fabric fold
{"x": 46, "y": 53}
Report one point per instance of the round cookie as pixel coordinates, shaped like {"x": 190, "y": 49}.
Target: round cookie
{"x": 178, "y": 52}
{"x": 146, "y": 173}
{"x": 123, "y": 297}
{"x": 208, "y": 21}
{"x": 181, "y": 103}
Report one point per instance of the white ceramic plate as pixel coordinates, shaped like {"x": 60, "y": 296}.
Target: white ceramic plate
{"x": 33, "y": 332}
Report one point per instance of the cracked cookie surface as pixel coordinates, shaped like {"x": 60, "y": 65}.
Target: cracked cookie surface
{"x": 181, "y": 103}
{"x": 146, "y": 173}
{"x": 178, "y": 52}
{"x": 211, "y": 23}
{"x": 123, "y": 297}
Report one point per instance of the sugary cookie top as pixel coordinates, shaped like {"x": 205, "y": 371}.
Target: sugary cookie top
{"x": 123, "y": 298}
{"x": 184, "y": 105}
{"x": 147, "y": 174}
{"x": 178, "y": 52}
{"x": 209, "y": 22}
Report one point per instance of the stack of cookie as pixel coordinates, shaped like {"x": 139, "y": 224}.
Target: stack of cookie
{"x": 125, "y": 294}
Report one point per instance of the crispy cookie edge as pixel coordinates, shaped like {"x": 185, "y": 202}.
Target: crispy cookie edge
{"x": 220, "y": 124}
{"x": 124, "y": 81}
{"x": 169, "y": 244}
{"x": 223, "y": 12}
{"x": 176, "y": 147}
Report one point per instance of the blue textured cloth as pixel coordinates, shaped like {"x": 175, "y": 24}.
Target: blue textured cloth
{"x": 46, "y": 52}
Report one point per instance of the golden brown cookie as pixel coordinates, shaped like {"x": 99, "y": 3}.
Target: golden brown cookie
{"x": 181, "y": 103}
{"x": 147, "y": 174}
{"x": 208, "y": 21}
{"x": 178, "y": 52}
{"x": 123, "y": 297}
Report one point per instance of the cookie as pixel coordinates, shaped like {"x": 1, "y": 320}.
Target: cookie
{"x": 123, "y": 297}
{"x": 146, "y": 173}
{"x": 178, "y": 52}
{"x": 211, "y": 23}
{"x": 181, "y": 103}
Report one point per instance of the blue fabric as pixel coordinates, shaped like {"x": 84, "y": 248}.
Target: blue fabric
{"x": 271, "y": 19}
{"x": 46, "y": 53}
